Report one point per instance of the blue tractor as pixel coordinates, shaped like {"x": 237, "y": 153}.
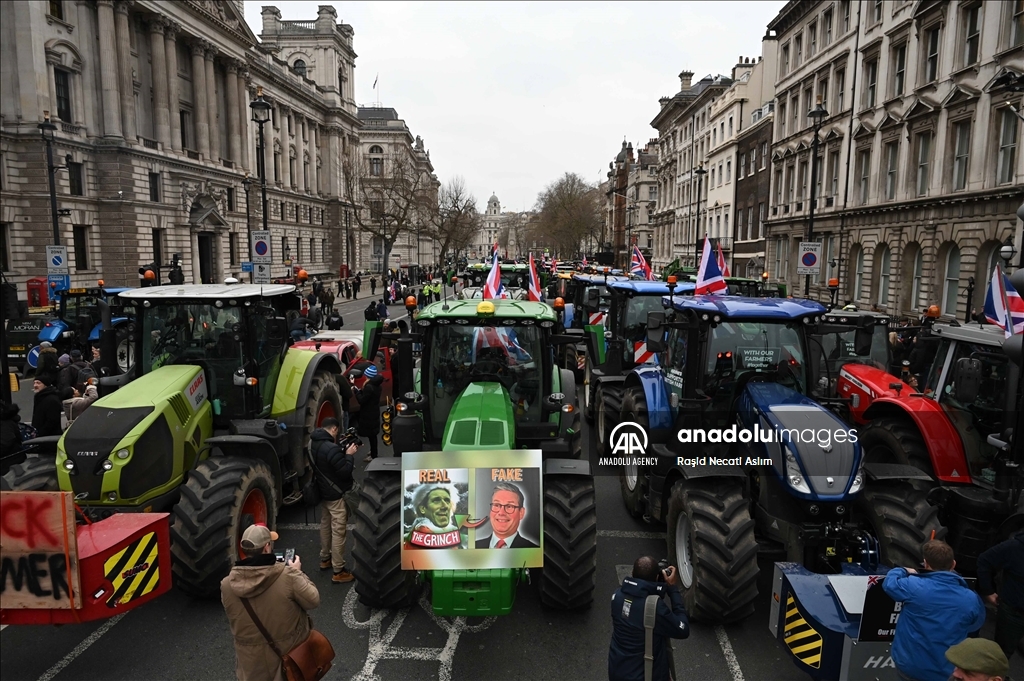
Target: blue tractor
{"x": 738, "y": 460}
{"x": 79, "y": 323}
{"x": 586, "y": 301}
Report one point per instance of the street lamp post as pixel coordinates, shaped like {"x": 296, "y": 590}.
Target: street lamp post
{"x": 700, "y": 172}
{"x": 247, "y": 185}
{"x": 47, "y": 129}
{"x": 817, "y": 115}
{"x": 1007, "y": 251}
{"x": 260, "y": 115}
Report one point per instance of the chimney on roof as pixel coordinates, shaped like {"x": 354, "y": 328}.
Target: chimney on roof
{"x": 685, "y": 78}
{"x": 271, "y": 16}
{"x": 662, "y": 101}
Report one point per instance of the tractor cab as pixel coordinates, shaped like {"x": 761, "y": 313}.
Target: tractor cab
{"x": 515, "y": 279}
{"x": 79, "y": 321}
{"x": 630, "y": 302}
{"x": 591, "y": 299}
{"x": 236, "y": 333}
{"x": 851, "y": 358}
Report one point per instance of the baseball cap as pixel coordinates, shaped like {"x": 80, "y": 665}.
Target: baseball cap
{"x": 979, "y": 655}
{"x": 370, "y": 371}
{"x": 257, "y": 536}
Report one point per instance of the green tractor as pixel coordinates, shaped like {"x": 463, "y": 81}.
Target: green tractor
{"x": 486, "y": 385}
{"x": 211, "y": 424}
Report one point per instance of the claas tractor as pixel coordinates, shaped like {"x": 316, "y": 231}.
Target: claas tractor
{"x": 210, "y": 425}
{"x": 486, "y": 385}
{"x": 741, "y": 460}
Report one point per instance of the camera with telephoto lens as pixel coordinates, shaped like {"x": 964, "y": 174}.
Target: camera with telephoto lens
{"x": 349, "y": 437}
{"x": 663, "y": 565}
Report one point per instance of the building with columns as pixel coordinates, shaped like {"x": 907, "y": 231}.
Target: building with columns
{"x": 151, "y": 104}
{"x": 920, "y": 169}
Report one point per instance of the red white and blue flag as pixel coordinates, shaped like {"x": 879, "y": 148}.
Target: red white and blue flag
{"x": 493, "y": 287}
{"x": 639, "y": 265}
{"x": 584, "y": 261}
{"x": 1003, "y": 304}
{"x": 534, "y": 293}
{"x": 709, "y": 275}
{"x": 554, "y": 266}
{"x": 722, "y": 264}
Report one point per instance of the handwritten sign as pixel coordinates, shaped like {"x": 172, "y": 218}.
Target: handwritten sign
{"x": 37, "y": 542}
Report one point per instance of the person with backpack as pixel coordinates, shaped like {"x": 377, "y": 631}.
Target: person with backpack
{"x": 333, "y": 471}
{"x": 67, "y": 377}
{"x": 643, "y": 624}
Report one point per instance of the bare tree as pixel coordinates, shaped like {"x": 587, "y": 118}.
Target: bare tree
{"x": 569, "y": 213}
{"x": 454, "y": 219}
{"x": 390, "y": 195}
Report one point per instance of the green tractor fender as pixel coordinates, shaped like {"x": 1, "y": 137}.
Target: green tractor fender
{"x": 305, "y": 395}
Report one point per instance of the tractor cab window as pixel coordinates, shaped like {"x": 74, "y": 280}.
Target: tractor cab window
{"x": 739, "y": 352}
{"x": 635, "y": 326}
{"x": 978, "y": 419}
{"x": 675, "y": 360}
{"x": 78, "y": 307}
{"x": 839, "y": 349}
{"x": 268, "y": 354}
{"x": 507, "y": 355}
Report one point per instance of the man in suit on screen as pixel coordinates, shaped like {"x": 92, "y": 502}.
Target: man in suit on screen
{"x": 507, "y": 512}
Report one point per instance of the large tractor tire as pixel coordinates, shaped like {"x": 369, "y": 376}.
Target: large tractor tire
{"x": 223, "y": 496}
{"x": 323, "y": 402}
{"x": 607, "y": 409}
{"x": 570, "y": 542}
{"x": 896, "y": 440}
{"x": 37, "y": 473}
{"x": 634, "y": 408}
{"x": 902, "y": 521}
{"x": 377, "y": 557}
{"x": 588, "y": 394}
{"x": 125, "y": 350}
{"x": 711, "y": 543}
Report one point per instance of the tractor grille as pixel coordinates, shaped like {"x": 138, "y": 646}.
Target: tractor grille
{"x": 181, "y": 408}
{"x": 152, "y": 461}
{"x": 90, "y": 440}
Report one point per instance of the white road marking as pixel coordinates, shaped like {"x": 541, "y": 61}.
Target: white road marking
{"x": 626, "y": 534}
{"x": 380, "y": 647}
{"x": 730, "y": 656}
{"x": 80, "y": 648}
{"x": 3, "y": 626}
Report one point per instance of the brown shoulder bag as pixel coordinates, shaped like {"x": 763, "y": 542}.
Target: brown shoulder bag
{"x": 308, "y": 661}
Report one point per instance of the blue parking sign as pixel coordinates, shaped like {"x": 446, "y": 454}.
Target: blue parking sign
{"x": 33, "y": 357}
{"x": 247, "y": 267}
{"x": 62, "y": 281}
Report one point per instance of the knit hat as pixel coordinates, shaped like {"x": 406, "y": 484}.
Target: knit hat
{"x": 45, "y": 379}
{"x": 256, "y": 537}
{"x": 45, "y": 344}
{"x": 979, "y": 655}
{"x": 370, "y": 371}
{"x": 64, "y": 360}
{"x": 76, "y": 355}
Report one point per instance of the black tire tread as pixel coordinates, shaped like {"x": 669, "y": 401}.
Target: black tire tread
{"x": 205, "y": 523}
{"x": 634, "y": 408}
{"x": 902, "y": 520}
{"x": 377, "y": 560}
{"x": 901, "y": 434}
{"x": 570, "y": 542}
{"x": 37, "y": 473}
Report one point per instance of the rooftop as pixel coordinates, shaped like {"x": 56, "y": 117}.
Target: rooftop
{"x": 736, "y": 307}
{"x": 209, "y": 291}
{"x": 466, "y": 310}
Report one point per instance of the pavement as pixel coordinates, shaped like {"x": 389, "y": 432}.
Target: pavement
{"x": 177, "y": 637}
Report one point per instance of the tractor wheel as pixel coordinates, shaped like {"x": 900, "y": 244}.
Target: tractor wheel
{"x": 125, "y": 351}
{"x": 902, "y": 520}
{"x": 37, "y": 473}
{"x": 570, "y": 542}
{"x": 896, "y": 440}
{"x": 711, "y": 542}
{"x": 607, "y": 408}
{"x": 323, "y": 402}
{"x": 634, "y": 408}
{"x": 377, "y": 559}
{"x": 588, "y": 396}
{"x": 223, "y": 496}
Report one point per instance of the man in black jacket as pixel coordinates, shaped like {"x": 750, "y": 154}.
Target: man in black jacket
{"x": 46, "y": 408}
{"x": 1008, "y": 557}
{"x": 369, "y": 408}
{"x": 334, "y": 477}
{"x": 626, "y": 654}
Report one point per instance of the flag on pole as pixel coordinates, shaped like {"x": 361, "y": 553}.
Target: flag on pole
{"x": 492, "y": 287}
{"x": 535, "y": 293}
{"x": 554, "y": 266}
{"x": 1003, "y": 304}
{"x": 584, "y": 261}
{"x": 709, "y": 276}
{"x": 639, "y": 265}
{"x": 723, "y": 266}
{"x": 375, "y": 81}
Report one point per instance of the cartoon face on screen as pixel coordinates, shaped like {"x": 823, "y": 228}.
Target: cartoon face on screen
{"x": 433, "y": 504}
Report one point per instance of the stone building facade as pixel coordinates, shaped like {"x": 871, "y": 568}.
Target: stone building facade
{"x": 151, "y": 103}
{"x": 920, "y": 150}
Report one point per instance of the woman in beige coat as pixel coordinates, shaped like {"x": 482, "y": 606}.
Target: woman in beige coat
{"x": 279, "y": 594}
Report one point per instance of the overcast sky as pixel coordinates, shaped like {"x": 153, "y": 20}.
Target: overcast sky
{"x": 512, "y": 95}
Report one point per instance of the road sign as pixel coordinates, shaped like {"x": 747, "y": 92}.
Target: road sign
{"x": 62, "y": 282}
{"x": 247, "y": 267}
{"x": 261, "y": 251}
{"x": 260, "y": 273}
{"x": 33, "y": 357}
{"x": 810, "y": 258}
{"x": 57, "y": 260}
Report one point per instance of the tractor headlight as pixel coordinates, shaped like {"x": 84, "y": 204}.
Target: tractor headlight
{"x": 111, "y": 496}
{"x": 123, "y": 453}
{"x": 794, "y": 476}
{"x": 107, "y": 465}
{"x": 69, "y": 465}
{"x": 858, "y": 479}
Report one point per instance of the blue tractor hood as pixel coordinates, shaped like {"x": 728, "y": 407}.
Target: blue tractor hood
{"x": 52, "y": 330}
{"x": 825, "y": 449}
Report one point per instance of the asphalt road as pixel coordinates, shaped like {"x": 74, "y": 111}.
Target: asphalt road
{"x": 177, "y": 637}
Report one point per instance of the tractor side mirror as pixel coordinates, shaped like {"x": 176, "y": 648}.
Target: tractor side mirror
{"x": 1013, "y": 347}
{"x": 862, "y": 341}
{"x": 967, "y": 379}
{"x": 593, "y": 336}
{"x": 355, "y": 373}
{"x": 277, "y": 331}
{"x": 371, "y": 338}
{"x": 656, "y": 332}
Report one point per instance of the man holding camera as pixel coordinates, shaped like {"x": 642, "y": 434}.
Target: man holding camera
{"x": 334, "y": 478}
{"x": 633, "y": 633}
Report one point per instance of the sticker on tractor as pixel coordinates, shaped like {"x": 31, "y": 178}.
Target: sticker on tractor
{"x": 759, "y": 358}
{"x": 134, "y": 571}
{"x": 472, "y": 510}
{"x": 197, "y": 391}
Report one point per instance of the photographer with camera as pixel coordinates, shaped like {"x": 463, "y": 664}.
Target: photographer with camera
{"x": 643, "y": 623}
{"x": 333, "y": 465}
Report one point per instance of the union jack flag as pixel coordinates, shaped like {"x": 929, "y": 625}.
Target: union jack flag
{"x": 722, "y": 264}
{"x": 1003, "y": 304}
{"x": 493, "y": 287}
{"x": 535, "y": 292}
{"x": 639, "y": 265}
{"x": 709, "y": 276}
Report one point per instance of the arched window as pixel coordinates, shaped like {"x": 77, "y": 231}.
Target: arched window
{"x": 375, "y": 149}
{"x": 299, "y": 67}
{"x": 883, "y": 261}
{"x": 858, "y": 272}
{"x": 915, "y": 289}
{"x": 951, "y": 280}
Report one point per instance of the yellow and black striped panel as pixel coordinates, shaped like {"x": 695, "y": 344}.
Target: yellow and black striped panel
{"x": 134, "y": 571}
{"x": 800, "y": 637}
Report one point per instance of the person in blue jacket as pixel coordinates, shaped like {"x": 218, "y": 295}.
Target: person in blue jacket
{"x": 939, "y": 610}
{"x": 626, "y": 653}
